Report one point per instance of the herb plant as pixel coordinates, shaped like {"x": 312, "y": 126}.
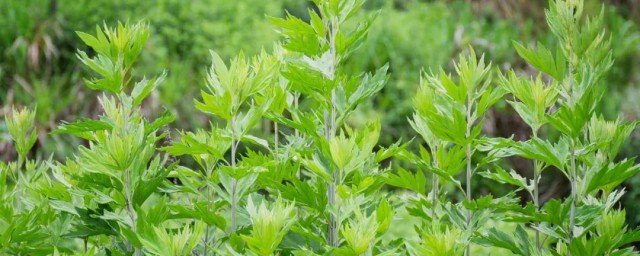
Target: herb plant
{"x": 322, "y": 185}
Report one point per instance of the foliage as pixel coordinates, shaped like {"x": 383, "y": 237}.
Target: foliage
{"x": 327, "y": 185}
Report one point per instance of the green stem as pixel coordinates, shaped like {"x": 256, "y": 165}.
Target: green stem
{"x": 128, "y": 201}
{"x": 276, "y": 139}
{"x": 574, "y": 191}
{"x": 469, "y": 171}
{"x": 333, "y": 219}
{"x": 434, "y": 196}
{"x": 206, "y": 240}
{"x": 209, "y": 209}
{"x": 21, "y": 160}
{"x": 435, "y": 186}
{"x": 333, "y": 222}
{"x": 469, "y": 213}
{"x": 330, "y": 130}
{"x": 369, "y": 251}
{"x": 16, "y": 174}
{"x": 536, "y": 197}
{"x": 297, "y": 134}
{"x": 234, "y": 182}
{"x": 536, "y": 191}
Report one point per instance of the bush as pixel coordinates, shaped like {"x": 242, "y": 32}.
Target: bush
{"x": 321, "y": 183}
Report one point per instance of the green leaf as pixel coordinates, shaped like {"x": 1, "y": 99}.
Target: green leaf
{"x": 610, "y": 176}
{"x": 405, "y": 179}
{"x": 255, "y": 140}
{"x": 130, "y": 235}
{"x": 542, "y": 150}
{"x": 543, "y": 60}
{"x": 270, "y": 225}
{"x": 301, "y": 36}
{"x": 142, "y": 89}
{"x": 166, "y": 118}
{"x": 384, "y": 216}
{"x": 117, "y": 49}
{"x": 148, "y": 186}
{"x": 568, "y": 121}
{"x": 497, "y": 238}
{"x": 504, "y": 177}
{"x": 80, "y": 127}
{"x": 395, "y": 148}
{"x": 201, "y": 212}
{"x": 21, "y": 128}
{"x": 356, "y": 93}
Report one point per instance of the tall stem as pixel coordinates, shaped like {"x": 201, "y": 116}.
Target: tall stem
{"x": 536, "y": 197}
{"x": 206, "y": 240}
{"x": 330, "y": 130}
{"x": 234, "y": 182}
{"x": 469, "y": 171}
{"x": 468, "y": 153}
{"x": 129, "y": 206}
{"x": 331, "y": 191}
{"x": 574, "y": 198}
{"x": 536, "y": 190}
{"x": 434, "y": 196}
{"x": 276, "y": 138}
{"x": 16, "y": 178}
{"x": 435, "y": 186}
{"x": 333, "y": 222}
{"x": 369, "y": 251}
{"x": 209, "y": 209}
{"x": 21, "y": 160}
{"x": 297, "y": 134}
{"x": 127, "y": 179}
{"x": 572, "y": 174}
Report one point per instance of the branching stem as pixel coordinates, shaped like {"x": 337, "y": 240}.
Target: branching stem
{"x": 574, "y": 197}
{"x": 129, "y": 206}
{"x": 536, "y": 191}
{"x": 469, "y": 171}
{"x": 234, "y": 182}
{"x": 330, "y": 130}
{"x": 435, "y": 186}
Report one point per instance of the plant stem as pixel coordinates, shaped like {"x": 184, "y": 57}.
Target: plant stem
{"x": 572, "y": 215}
{"x": 536, "y": 190}
{"x": 333, "y": 222}
{"x": 21, "y": 160}
{"x": 536, "y": 197}
{"x": 296, "y": 97}
{"x": 297, "y": 134}
{"x": 209, "y": 209}
{"x": 333, "y": 225}
{"x": 369, "y": 251}
{"x": 276, "y": 139}
{"x": 468, "y": 153}
{"x": 206, "y": 240}
{"x": 434, "y": 191}
{"x": 469, "y": 173}
{"x": 234, "y": 182}
{"x": 330, "y": 130}
{"x": 130, "y": 210}
{"x": 435, "y": 186}
{"x": 16, "y": 177}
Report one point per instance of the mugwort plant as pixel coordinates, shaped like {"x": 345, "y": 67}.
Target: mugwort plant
{"x": 321, "y": 184}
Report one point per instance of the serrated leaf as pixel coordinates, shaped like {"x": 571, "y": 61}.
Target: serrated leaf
{"x": 82, "y": 126}
{"x": 504, "y": 177}
{"x": 405, "y": 179}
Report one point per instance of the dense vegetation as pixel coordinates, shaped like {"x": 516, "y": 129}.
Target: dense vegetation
{"x": 343, "y": 129}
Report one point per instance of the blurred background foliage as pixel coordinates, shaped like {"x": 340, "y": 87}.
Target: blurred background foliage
{"x": 38, "y": 66}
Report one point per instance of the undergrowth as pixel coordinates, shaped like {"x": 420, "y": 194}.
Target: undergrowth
{"x": 320, "y": 186}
